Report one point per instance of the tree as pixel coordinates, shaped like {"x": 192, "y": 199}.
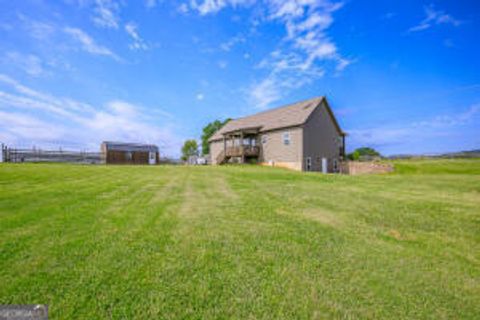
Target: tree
{"x": 190, "y": 148}
{"x": 363, "y": 152}
{"x": 208, "y": 132}
{"x": 355, "y": 155}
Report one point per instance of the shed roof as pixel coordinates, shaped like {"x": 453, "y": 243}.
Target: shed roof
{"x": 130, "y": 147}
{"x": 286, "y": 116}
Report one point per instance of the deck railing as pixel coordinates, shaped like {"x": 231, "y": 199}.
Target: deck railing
{"x": 239, "y": 151}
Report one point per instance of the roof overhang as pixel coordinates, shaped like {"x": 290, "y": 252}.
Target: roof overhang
{"x": 129, "y": 147}
{"x": 246, "y": 130}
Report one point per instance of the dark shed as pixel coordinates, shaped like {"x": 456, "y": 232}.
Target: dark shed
{"x": 129, "y": 153}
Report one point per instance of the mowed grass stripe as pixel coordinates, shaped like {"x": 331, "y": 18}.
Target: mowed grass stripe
{"x": 242, "y": 242}
{"x": 105, "y": 238}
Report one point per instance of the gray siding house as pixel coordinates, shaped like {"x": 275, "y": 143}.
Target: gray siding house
{"x": 303, "y": 136}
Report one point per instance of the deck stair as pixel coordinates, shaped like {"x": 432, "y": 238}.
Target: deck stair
{"x": 222, "y": 158}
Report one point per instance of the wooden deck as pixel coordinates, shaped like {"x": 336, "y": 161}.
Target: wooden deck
{"x": 238, "y": 151}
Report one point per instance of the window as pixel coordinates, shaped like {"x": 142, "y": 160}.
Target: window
{"x": 335, "y": 165}
{"x": 286, "y": 138}
{"x": 264, "y": 139}
{"x": 152, "y": 155}
{"x": 308, "y": 164}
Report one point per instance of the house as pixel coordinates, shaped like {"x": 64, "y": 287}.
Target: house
{"x": 196, "y": 160}
{"x": 302, "y": 136}
{"x": 129, "y": 153}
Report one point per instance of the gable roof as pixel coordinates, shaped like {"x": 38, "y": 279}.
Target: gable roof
{"x": 290, "y": 115}
{"x": 130, "y": 147}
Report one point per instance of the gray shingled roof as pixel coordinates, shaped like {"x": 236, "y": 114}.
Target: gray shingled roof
{"x": 287, "y": 116}
{"x": 130, "y": 147}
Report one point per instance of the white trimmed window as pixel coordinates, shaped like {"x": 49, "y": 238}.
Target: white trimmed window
{"x": 339, "y": 141}
{"x": 286, "y": 138}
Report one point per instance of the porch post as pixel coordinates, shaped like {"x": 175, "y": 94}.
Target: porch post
{"x": 242, "y": 147}
{"x": 224, "y": 145}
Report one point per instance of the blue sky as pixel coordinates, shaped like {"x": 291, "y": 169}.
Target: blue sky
{"x": 401, "y": 76}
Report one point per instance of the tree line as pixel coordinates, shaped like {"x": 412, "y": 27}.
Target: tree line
{"x": 191, "y": 148}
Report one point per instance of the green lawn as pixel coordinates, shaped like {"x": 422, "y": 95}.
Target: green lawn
{"x": 241, "y": 242}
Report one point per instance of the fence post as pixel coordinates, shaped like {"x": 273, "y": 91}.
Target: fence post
{"x": 2, "y": 157}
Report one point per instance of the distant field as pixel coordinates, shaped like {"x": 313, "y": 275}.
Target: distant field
{"x": 241, "y": 242}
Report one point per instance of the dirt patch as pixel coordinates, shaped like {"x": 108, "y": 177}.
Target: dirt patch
{"x": 371, "y": 167}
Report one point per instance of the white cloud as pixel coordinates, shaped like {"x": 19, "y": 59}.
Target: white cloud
{"x": 212, "y": 6}
{"x": 183, "y": 8}
{"x": 22, "y": 127}
{"x": 305, "y": 53}
{"x": 6, "y": 27}
{"x": 37, "y": 29}
{"x": 228, "y": 45}
{"x": 138, "y": 43}
{"x": 200, "y": 97}
{"x": 88, "y": 44}
{"x": 106, "y": 14}
{"x": 53, "y": 36}
{"x": 29, "y": 63}
{"x": 443, "y": 125}
{"x": 29, "y": 99}
{"x": 434, "y": 17}
{"x": 151, "y": 3}
{"x": 265, "y": 92}
{"x": 222, "y": 64}
{"x": 322, "y": 21}
{"x": 342, "y": 63}
{"x": 279, "y": 82}
{"x": 37, "y": 118}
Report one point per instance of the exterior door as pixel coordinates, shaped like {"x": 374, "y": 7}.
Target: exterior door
{"x": 308, "y": 164}
{"x": 152, "y": 158}
{"x": 324, "y": 165}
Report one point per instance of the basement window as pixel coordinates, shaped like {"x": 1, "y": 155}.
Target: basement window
{"x": 286, "y": 138}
